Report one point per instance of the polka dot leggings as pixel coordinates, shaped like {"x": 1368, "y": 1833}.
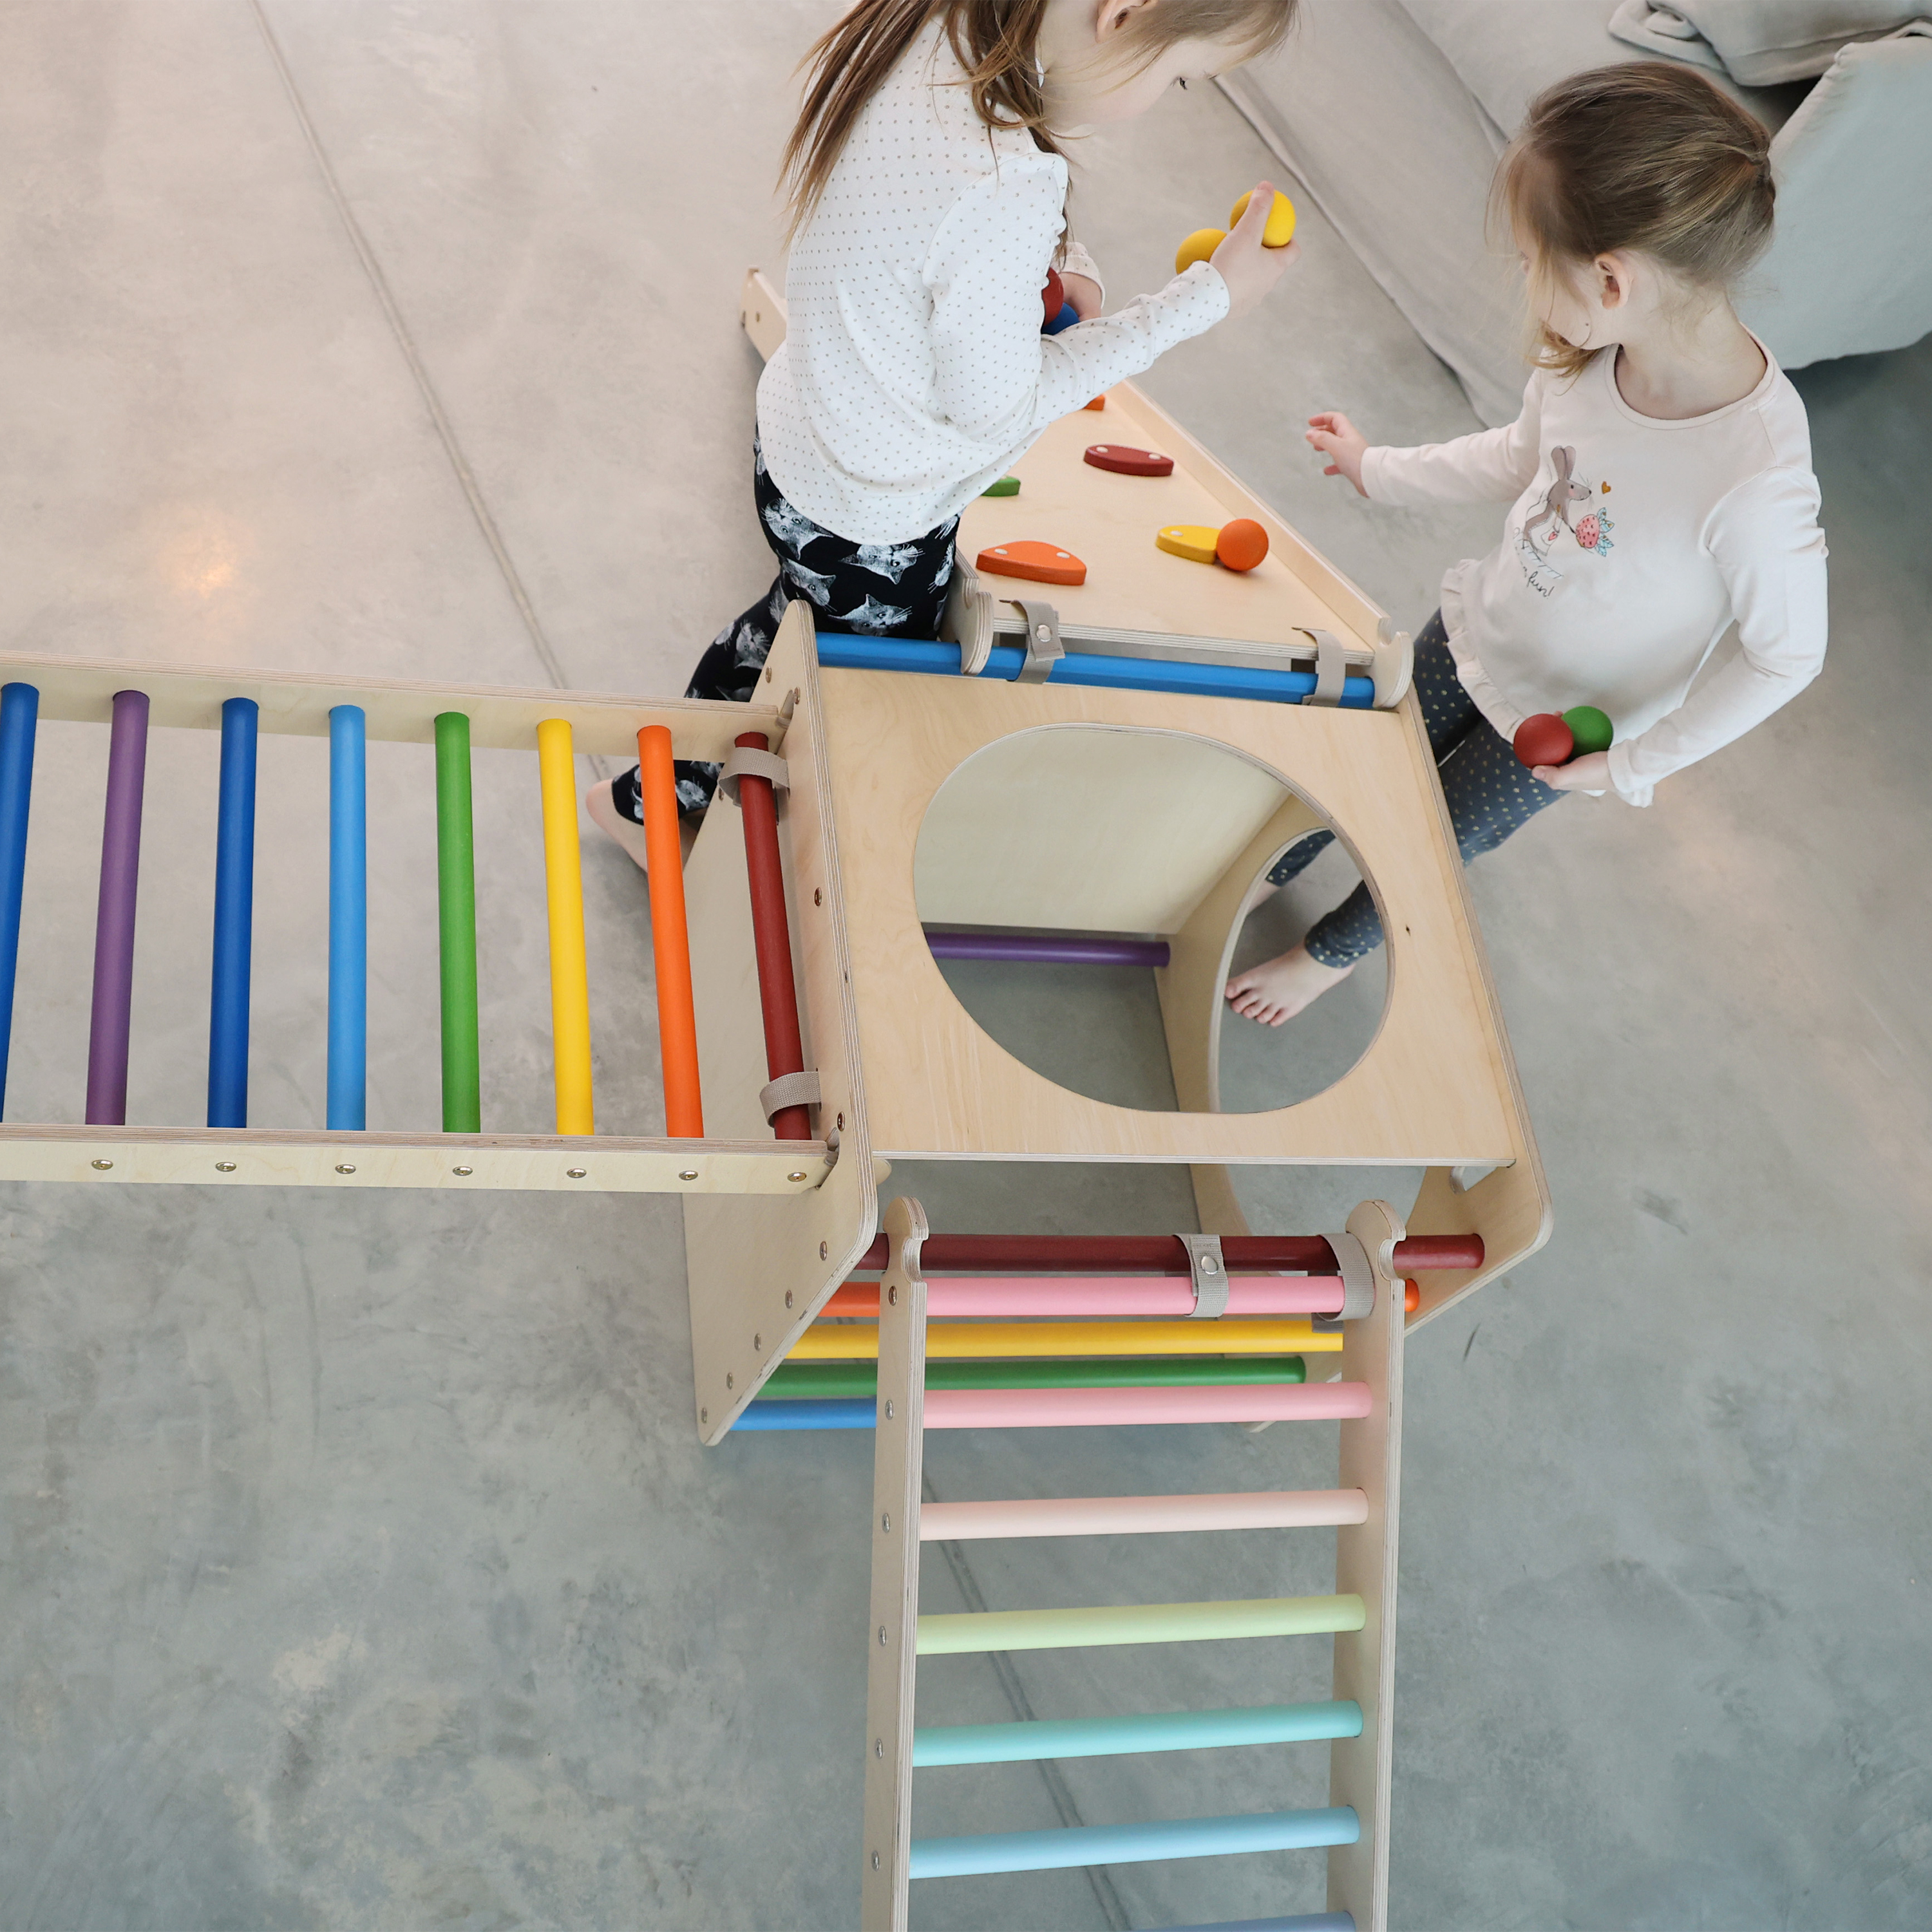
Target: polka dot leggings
{"x": 1489, "y": 794}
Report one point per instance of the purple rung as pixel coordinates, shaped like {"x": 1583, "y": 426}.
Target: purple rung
{"x": 114, "y": 925}
{"x": 1045, "y": 949}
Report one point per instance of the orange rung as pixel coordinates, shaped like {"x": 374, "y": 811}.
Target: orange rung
{"x": 671, "y": 939}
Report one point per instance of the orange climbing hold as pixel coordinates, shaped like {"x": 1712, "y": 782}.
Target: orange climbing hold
{"x": 1043, "y": 562}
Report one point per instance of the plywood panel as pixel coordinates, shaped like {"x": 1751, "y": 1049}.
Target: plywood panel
{"x": 1435, "y": 1078}
{"x": 758, "y": 1270}
{"x": 1054, "y": 828}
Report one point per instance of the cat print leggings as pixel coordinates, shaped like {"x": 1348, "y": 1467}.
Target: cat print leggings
{"x": 885, "y": 590}
{"x": 1489, "y": 793}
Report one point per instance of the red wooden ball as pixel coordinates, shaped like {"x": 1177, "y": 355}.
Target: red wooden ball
{"x": 1053, "y": 297}
{"x": 1544, "y": 740}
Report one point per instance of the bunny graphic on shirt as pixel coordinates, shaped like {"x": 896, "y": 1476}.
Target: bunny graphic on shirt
{"x": 1559, "y": 513}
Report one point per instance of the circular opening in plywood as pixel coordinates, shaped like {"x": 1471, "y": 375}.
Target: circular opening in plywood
{"x": 1086, "y": 890}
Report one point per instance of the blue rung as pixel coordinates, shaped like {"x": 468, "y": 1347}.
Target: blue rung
{"x": 826, "y": 1412}
{"x": 1154, "y": 1731}
{"x": 1295, "y": 1921}
{"x": 348, "y": 919}
{"x": 234, "y": 918}
{"x": 19, "y": 711}
{"x": 844, "y": 652}
{"x": 1132, "y": 1844}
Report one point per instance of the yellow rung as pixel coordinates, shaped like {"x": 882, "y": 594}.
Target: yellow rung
{"x": 569, "y": 975}
{"x": 831, "y": 1341}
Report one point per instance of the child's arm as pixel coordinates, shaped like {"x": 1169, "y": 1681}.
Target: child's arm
{"x": 1766, "y": 539}
{"x": 995, "y": 376}
{"x": 1494, "y": 466}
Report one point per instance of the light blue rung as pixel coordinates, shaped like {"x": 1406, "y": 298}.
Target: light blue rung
{"x": 822, "y": 1412}
{"x": 843, "y": 652}
{"x": 1295, "y": 1921}
{"x": 1133, "y": 1844}
{"x": 1156, "y": 1731}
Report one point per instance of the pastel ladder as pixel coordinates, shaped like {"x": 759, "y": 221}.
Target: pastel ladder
{"x": 1357, "y": 1618}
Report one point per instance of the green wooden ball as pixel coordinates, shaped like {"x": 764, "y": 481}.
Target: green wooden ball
{"x": 1590, "y": 727}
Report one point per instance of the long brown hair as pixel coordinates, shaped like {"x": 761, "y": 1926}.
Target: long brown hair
{"x": 993, "y": 41}
{"x": 1647, "y": 156}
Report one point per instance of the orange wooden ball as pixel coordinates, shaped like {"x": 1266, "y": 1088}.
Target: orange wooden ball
{"x": 1241, "y": 544}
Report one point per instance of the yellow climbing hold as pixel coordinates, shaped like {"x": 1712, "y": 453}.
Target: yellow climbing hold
{"x": 1195, "y": 541}
{"x": 1279, "y": 231}
{"x": 1198, "y": 248}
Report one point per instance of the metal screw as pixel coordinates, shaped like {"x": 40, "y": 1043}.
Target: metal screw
{"x": 875, "y": 1861}
{"x": 224, "y": 1167}
{"x": 704, "y": 1415}
{"x": 824, "y": 1251}
{"x": 1043, "y": 631}
{"x": 788, "y": 1292}
{"x": 1207, "y": 1263}
{"x": 575, "y": 1173}
{"x": 818, "y": 895}
{"x": 730, "y": 1380}
{"x": 758, "y": 1343}
{"x": 878, "y": 1751}
{"x": 885, "y": 1523}
{"x": 797, "y": 1174}
{"x": 103, "y": 1164}
{"x": 889, "y": 1411}
{"x": 687, "y": 1174}
{"x": 463, "y": 1170}
{"x": 345, "y": 1167}
{"x": 893, "y": 1296}
{"x": 841, "y": 1123}
{"x": 882, "y": 1636}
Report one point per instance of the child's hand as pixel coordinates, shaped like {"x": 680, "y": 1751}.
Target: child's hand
{"x": 1083, "y": 292}
{"x": 1249, "y": 270}
{"x": 1343, "y": 443}
{"x": 1590, "y": 772}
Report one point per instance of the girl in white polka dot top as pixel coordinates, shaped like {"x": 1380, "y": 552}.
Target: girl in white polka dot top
{"x": 928, "y": 199}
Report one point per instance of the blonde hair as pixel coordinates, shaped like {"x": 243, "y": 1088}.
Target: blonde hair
{"x": 993, "y": 41}
{"x": 1647, "y": 157}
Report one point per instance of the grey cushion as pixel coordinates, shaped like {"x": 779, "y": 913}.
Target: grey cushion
{"x": 1760, "y": 42}
{"x": 1506, "y": 52}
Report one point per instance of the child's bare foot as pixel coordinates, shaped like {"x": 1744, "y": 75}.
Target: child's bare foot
{"x": 1279, "y": 987}
{"x": 612, "y": 823}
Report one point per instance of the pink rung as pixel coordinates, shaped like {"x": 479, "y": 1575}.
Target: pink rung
{"x": 1103, "y": 1408}
{"x": 1139, "y": 1515}
{"x": 1063, "y": 1297}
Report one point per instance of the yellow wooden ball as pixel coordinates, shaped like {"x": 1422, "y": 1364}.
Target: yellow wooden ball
{"x": 1280, "y": 229}
{"x": 1198, "y": 248}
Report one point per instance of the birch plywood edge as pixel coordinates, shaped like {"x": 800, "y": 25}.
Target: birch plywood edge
{"x": 297, "y": 704}
{"x": 938, "y": 1087}
{"x": 758, "y": 1271}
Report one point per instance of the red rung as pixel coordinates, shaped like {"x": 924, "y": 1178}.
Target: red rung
{"x": 771, "y": 934}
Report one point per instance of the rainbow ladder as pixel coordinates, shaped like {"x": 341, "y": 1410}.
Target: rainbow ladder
{"x": 1359, "y": 1616}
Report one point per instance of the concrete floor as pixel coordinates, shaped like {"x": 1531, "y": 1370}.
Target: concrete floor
{"x": 358, "y": 1567}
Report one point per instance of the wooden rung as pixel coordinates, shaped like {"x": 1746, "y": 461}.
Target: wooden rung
{"x": 792, "y": 1380}
{"x": 834, "y": 1341}
{"x": 972, "y": 1632}
{"x": 1130, "y": 1844}
{"x": 1064, "y": 1297}
{"x": 1294, "y": 1921}
{"x": 1140, "y": 1408}
{"x": 1153, "y": 1731}
{"x": 1140, "y": 1516}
